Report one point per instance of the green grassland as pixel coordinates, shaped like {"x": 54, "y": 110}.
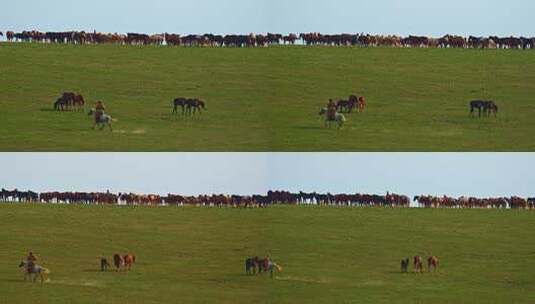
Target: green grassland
{"x": 266, "y": 99}
{"x": 329, "y": 255}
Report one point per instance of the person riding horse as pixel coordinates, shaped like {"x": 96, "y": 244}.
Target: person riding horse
{"x": 30, "y": 262}
{"x": 331, "y": 110}
{"x": 99, "y": 111}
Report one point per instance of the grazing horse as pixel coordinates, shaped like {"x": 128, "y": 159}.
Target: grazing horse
{"x": 362, "y": 104}
{"x": 61, "y": 104}
{"x": 37, "y": 270}
{"x": 78, "y": 102}
{"x": 339, "y": 118}
{"x": 104, "y": 264}
{"x": 179, "y": 102}
{"x": 492, "y": 108}
{"x": 432, "y": 262}
{"x": 405, "y": 265}
{"x": 103, "y": 120}
{"x": 486, "y": 107}
{"x": 346, "y": 105}
{"x": 480, "y": 105}
{"x": 67, "y": 100}
{"x": 418, "y": 264}
{"x": 251, "y": 264}
{"x": 118, "y": 261}
{"x": 194, "y": 105}
{"x": 129, "y": 260}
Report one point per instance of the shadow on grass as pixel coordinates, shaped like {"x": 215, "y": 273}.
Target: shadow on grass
{"x": 95, "y": 270}
{"x": 16, "y": 281}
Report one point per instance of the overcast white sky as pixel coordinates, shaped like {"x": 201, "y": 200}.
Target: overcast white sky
{"x": 454, "y": 174}
{"x": 402, "y": 17}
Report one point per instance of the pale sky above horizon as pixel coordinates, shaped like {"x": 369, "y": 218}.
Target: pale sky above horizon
{"x": 453, "y": 174}
{"x": 401, "y": 17}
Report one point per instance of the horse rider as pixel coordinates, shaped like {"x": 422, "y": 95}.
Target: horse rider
{"x": 30, "y": 262}
{"x": 99, "y": 110}
{"x": 331, "y": 110}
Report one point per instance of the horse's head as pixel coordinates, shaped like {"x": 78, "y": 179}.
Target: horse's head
{"x": 22, "y": 264}
{"x": 322, "y": 112}
{"x": 202, "y": 104}
{"x": 91, "y": 112}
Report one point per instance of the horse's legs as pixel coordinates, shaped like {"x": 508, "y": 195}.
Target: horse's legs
{"x": 109, "y": 125}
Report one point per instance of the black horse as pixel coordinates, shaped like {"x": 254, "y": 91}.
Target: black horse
{"x": 346, "y": 106}
{"x": 179, "y": 102}
{"x": 483, "y": 106}
{"x": 189, "y": 105}
{"x": 405, "y": 265}
{"x": 251, "y": 265}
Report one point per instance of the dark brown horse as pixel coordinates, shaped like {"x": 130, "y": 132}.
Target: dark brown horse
{"x": 118, "y": 261}
{"x": 64, "y": 102}
{"x": 418, "y": 264}
{"x": 78, "y": 102}
{"x": 194, "y": 105}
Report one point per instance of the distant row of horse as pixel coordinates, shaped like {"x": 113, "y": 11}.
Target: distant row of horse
{"x": 432, "y": 264}
{"x": 272, "y": 198}
{"x": 264, "y": 40}
{"x": 69, "y": 101}
{"x": 189, "y": 106}
{"x": 121, "y": 262}
{"x": 484, "y": 107}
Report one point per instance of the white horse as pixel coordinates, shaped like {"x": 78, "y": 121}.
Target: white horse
{"x": 37, "y": 270}
{"x": 272, "y": 267}
{"x": 104, "y": 120}
{"x": 339, "y": 118}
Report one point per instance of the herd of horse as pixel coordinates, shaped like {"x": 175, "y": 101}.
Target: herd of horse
{"x": 256, "y": 266}
{"x": 340, "y": 107}
{"x": 270, "y": 199}
{"x": 189, "y": 106}
{"x": 121, "y": 262}
{"x": 70, "y": 101}
{"x": 485, "y": 107}
{"x": 418, "y": 264}
{"x": 269, "y": 39}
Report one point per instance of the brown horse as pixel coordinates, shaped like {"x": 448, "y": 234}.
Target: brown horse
{"x": 118, "y": 261}
{"x": 78, "y": 102}
{"x": 129, "y": 260}
{"x": 418, "y": 264}
{"x": 432, "y": 262}
{"x": 362, "y": 104}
